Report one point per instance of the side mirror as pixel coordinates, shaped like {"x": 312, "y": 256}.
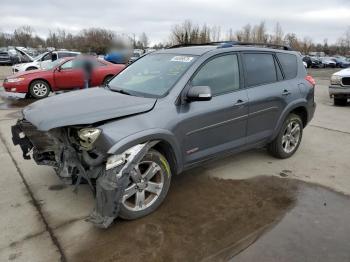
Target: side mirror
{"x": 199, "y": 93}
{"x": 58, "y": 69}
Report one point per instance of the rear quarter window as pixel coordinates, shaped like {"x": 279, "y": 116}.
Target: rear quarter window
{"x": 289, "y": 65}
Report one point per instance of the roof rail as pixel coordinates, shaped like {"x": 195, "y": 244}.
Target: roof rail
{"x": 223, "y": 44}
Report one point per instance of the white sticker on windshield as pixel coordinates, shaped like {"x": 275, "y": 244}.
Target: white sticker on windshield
{"x": 184, "y": 59}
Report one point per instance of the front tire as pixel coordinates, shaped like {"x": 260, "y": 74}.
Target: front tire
{"x": 288, "y": 140}
{"x": 106, "y": 80}
{"x": 141, "y": 199}
{"x": 39, "y": 89}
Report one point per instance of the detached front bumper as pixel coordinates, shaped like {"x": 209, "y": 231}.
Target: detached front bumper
{"x": 339, "y": 91}
{"x": 19, "y": 138}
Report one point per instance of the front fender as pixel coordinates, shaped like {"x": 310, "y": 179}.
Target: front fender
{"x": 148, "y": 135}
{"x": 295, "y": 104}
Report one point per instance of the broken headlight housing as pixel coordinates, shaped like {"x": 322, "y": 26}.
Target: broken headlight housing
{"x": 117, "y": 160}
{"x": 336, "y": 80}
{"x": 88, "y": 136}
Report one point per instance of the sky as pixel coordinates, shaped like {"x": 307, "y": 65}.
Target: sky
{"x": 318, "y": 19}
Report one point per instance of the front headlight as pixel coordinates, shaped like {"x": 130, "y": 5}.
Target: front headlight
{"x": 15, "y": 80}
{"x": 88, "y": 136}
{"x": 336, "y": 80}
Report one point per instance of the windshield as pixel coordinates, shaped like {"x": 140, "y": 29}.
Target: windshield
{"x": 153, "y": 75}
{"x": 47, "y": 65}
{"x": 39, "y": 56}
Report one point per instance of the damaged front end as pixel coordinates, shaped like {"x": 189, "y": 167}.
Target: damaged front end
{"x": 70, "y": 151}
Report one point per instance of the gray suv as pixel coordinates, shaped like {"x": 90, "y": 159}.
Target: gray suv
{"x": 169, "y": 111}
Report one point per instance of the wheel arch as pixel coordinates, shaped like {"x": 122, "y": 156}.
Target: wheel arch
{"x": 31, "y": 68}
{"x": 167, "y": 145}
{"x": 106, "y": 77}
{"x": 302, "y": 112}
{"x": 299, "y": 108}
{"x": 39, "y": 79}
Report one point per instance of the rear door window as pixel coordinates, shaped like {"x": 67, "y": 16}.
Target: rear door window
{"x": 289, "y": 65}
{"x": 260, "y": 68}
{"x": 221, "y": 74}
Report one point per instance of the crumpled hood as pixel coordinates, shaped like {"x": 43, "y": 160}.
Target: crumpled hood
{"x": 84, "y": 107}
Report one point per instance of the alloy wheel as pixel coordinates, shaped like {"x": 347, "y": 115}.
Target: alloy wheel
{"x": 141, "y": 195}
{"x": 291, "y": 136}
{"x": 40, "y": 89}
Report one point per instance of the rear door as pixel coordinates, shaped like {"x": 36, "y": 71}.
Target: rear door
{"x": 69, "y": 76}
{"x": 265, "y": 87}
{"x": 214, "y": 126}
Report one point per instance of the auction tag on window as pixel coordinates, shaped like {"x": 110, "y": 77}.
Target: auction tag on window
{"x": 184, "y": 59}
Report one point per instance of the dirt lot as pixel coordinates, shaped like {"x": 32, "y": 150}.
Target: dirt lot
{"x": 247, "y": 207}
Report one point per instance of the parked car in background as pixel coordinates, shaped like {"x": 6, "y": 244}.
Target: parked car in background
{"x": 135, "y": 55}
{"x": 316, "y": 62}
{"x": 60, "y": 75}
{"x": 35, "y": 62}
{"x": 339, "y": 88}
{"x": 341, "y": 62}
{"x": 328, "y": 62}
{"x": 150, "y": 50}
{"x": 308, "y": 61}
{"x": 8, "y": 56}
{"x": 116, "y": 57}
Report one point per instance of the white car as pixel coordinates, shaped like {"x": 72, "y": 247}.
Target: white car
{"x": 339, "y": 88}
{"x": 36, "y": 62}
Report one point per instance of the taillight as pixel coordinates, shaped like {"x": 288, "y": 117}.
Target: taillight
{"x": 311, "y": 80}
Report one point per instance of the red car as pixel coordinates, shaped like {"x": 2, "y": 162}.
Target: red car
{"x": 60, "y": 75}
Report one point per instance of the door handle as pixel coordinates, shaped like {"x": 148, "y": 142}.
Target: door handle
{"x": 286, "y": 92}
{"x": 240, "y": 102}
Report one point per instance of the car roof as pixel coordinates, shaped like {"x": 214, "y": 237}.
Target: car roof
{"x": 201, "y": 50}
{"x": 189, "y": 50}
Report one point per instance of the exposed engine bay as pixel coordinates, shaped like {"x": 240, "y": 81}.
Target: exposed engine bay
{"x": 70, "y": 151}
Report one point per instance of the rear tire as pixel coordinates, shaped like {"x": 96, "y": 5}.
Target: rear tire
{"x": 157, "y": 181}
{"x": 39, "y": 89}
{"x": 106, "y": 80}
{"x": 288, "y": 140}
{"x": 340, "y": 101}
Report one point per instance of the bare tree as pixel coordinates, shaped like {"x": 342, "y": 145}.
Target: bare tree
{"x": 259, "y": 34}
{"x": 230, "y": 35}
{"x": 96, "y": 40}
{"x": 187, "y": 33}
{"x": 293, "y": 41}
{"x": 23, "y": 35}
{"x": 144, "y": 40}
{"x": 307, "y": 45}
{"x": 277, "y": 37}
{"x": 215, "y": 33}
{"x": 204, "y": 34}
